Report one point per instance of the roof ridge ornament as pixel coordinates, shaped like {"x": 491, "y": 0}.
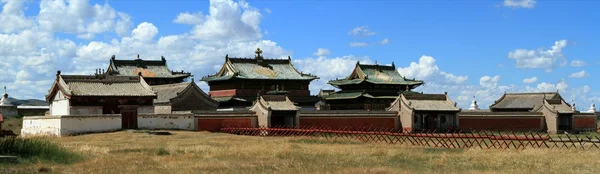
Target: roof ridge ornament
{"x": 138, "y": 57}
{"x": 258, "y": 52}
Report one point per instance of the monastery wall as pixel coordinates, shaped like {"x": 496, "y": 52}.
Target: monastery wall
{"x": 502, "y": 123}
{"x": 145, "y": 110}
{"x": 584, "y": 122}
{"x": 166, "y": 121}
{"x": 339, "y": 119}
{"x": 213, "y": 121}
{"x": 70, "y": 125}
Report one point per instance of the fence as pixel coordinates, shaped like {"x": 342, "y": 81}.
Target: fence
{"x": 432, "y": 138}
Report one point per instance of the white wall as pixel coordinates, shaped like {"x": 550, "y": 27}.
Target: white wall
{"x": 41, "y": 125}
{"x": 166, "y": 121}
{"x": 90, "y": 123}
{"x": 70, "y": 125}
{"x": 60, "y": 105}
{"x": 145, "y": 110}
{"x": 86, "y": 110}
{"x": 162, "y": 109}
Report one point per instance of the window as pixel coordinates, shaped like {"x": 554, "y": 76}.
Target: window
{"x": 443, "y": 119}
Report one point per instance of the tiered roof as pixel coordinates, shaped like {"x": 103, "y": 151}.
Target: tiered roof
{"x": 167, "y": 93}
{"x": 427, "y": 102}
{"x": 100, "y": 85}
{"x": 258, "y": 68}
{"x": 148, "y": 68}
{"x": 376, "y": 74}
{"x": 276, "y": 103}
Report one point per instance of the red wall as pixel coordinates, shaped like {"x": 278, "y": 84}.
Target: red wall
{"x": 584, "y": 122}
{"x": 503, "y": 123}
{"x": 346, "y": 122}
{"x": 215, "y": 124}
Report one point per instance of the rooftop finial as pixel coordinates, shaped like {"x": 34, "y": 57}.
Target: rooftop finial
{"x": 163, "y": 58}
{"x": 4, "y": 89}
{"x": 112, "y": 57}
{"x": 258, "y": 52}
{"x": 393, "y": 66}
{"x": 573, "y": 105}
{"x": 138, "y": 57}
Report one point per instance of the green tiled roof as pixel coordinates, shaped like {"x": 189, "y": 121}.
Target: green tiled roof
{"x": 268, "y": 69}
{"x": 148, "y": 68}
{"x": 364, "y": 93}
{"x": 377, "y": 74}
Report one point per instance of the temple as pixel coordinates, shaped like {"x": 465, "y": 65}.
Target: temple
{"x": 241, "y": 80}
{"x": 369, "y": 87}
{"x": 181, "y": 97}
{"x": 155, "y": 72}
{"x": 101, "y": 94}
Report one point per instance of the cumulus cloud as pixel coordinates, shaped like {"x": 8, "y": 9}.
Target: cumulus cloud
{"x": 12, "y": 17}
{"x": 328, "y": 68}
{"x": 530, "y": 80}
{"x": 322, "y": 52}
{"x": 189, "y": 18}
{"x": 361, "y": 31}
{"x": 489, "y": 82}
{"x": 577, "y": 63}
{"x": 427, "y": 69}
{"x": 229, "y": 21}
{"x": 546, "y": 59}
{"x": 580, "y": 74}
{"x": 358, "y": 44}
{"x": 79, "y": 17}
{"x": 519, "y": 3}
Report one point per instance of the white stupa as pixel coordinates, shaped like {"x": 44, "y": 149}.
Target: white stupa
{"x": 474, "y": 105}
{"x": 592, "y": 108}
{"x": 5, "y": 101}
{"x": 7, "y": 109}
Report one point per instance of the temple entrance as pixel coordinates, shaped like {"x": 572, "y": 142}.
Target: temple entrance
{"x": 128, "y": 116}
{"x": 565, "y": 122}
{"x": 283, "y": 119}
{"x": 431, "y": 122}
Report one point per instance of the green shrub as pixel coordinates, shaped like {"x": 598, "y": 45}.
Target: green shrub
{"x": 162, "y": 152}
{"x": 31, "y": 149}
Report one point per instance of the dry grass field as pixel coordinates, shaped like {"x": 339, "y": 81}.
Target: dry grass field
{"x": 202, "y": 152}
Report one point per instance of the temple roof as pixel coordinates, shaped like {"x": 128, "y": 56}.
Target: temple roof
{"x": 100, "y": 85}
{"x": 148, "y": 68}
{"x": 526, "y": 100}
{"x": 427, "y": 102}
{"x": 258, "y": 68}
{"x": 277, "y": 103}
{"x": 368, "y": 93}
{"x": 376, "y": 74}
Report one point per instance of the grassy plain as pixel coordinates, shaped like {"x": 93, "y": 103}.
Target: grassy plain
{"x": 202, "y": 152}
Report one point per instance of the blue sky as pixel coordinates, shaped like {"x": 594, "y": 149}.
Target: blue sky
{"x": 462, "y": 47}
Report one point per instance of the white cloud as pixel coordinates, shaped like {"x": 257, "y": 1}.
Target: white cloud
{"x": 361, "y": 31}
{"x": 12, "y": 17}
{"x": 268, "y": 10}
{"x": 519, "y": 3}
{"x": 328, "y": 68}
{"x": 426, "y": 69}
{"x": 489, "y": 82}
{"x": 79, "y": 17}
{"x": 322, "y": 52}
{"x": 577, "y": 63}
{"x": 144, "y": 32}
{"x": 580, "y": 74}
{"x": 229, "y": 21}
{"x": 530, "y": 80}
{"x": 384, "y": 41}
{"x": 189, "y": 18}
{"x": 358, "y": 44}
{"x": 546, "y": 59}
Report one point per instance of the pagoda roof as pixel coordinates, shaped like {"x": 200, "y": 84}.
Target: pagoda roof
{"x": 148, "y": 68}
{"x": 533, "y": 102}
{"x": 258, "y": 68}
{"x": 275, "y": 103}
{"x": 352, "y": 94}
{"x": 376, "y": 74}
{"x": 170, "y": 92}
{"x": 427, "y": 102}
{"x": 100, "y": 85}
